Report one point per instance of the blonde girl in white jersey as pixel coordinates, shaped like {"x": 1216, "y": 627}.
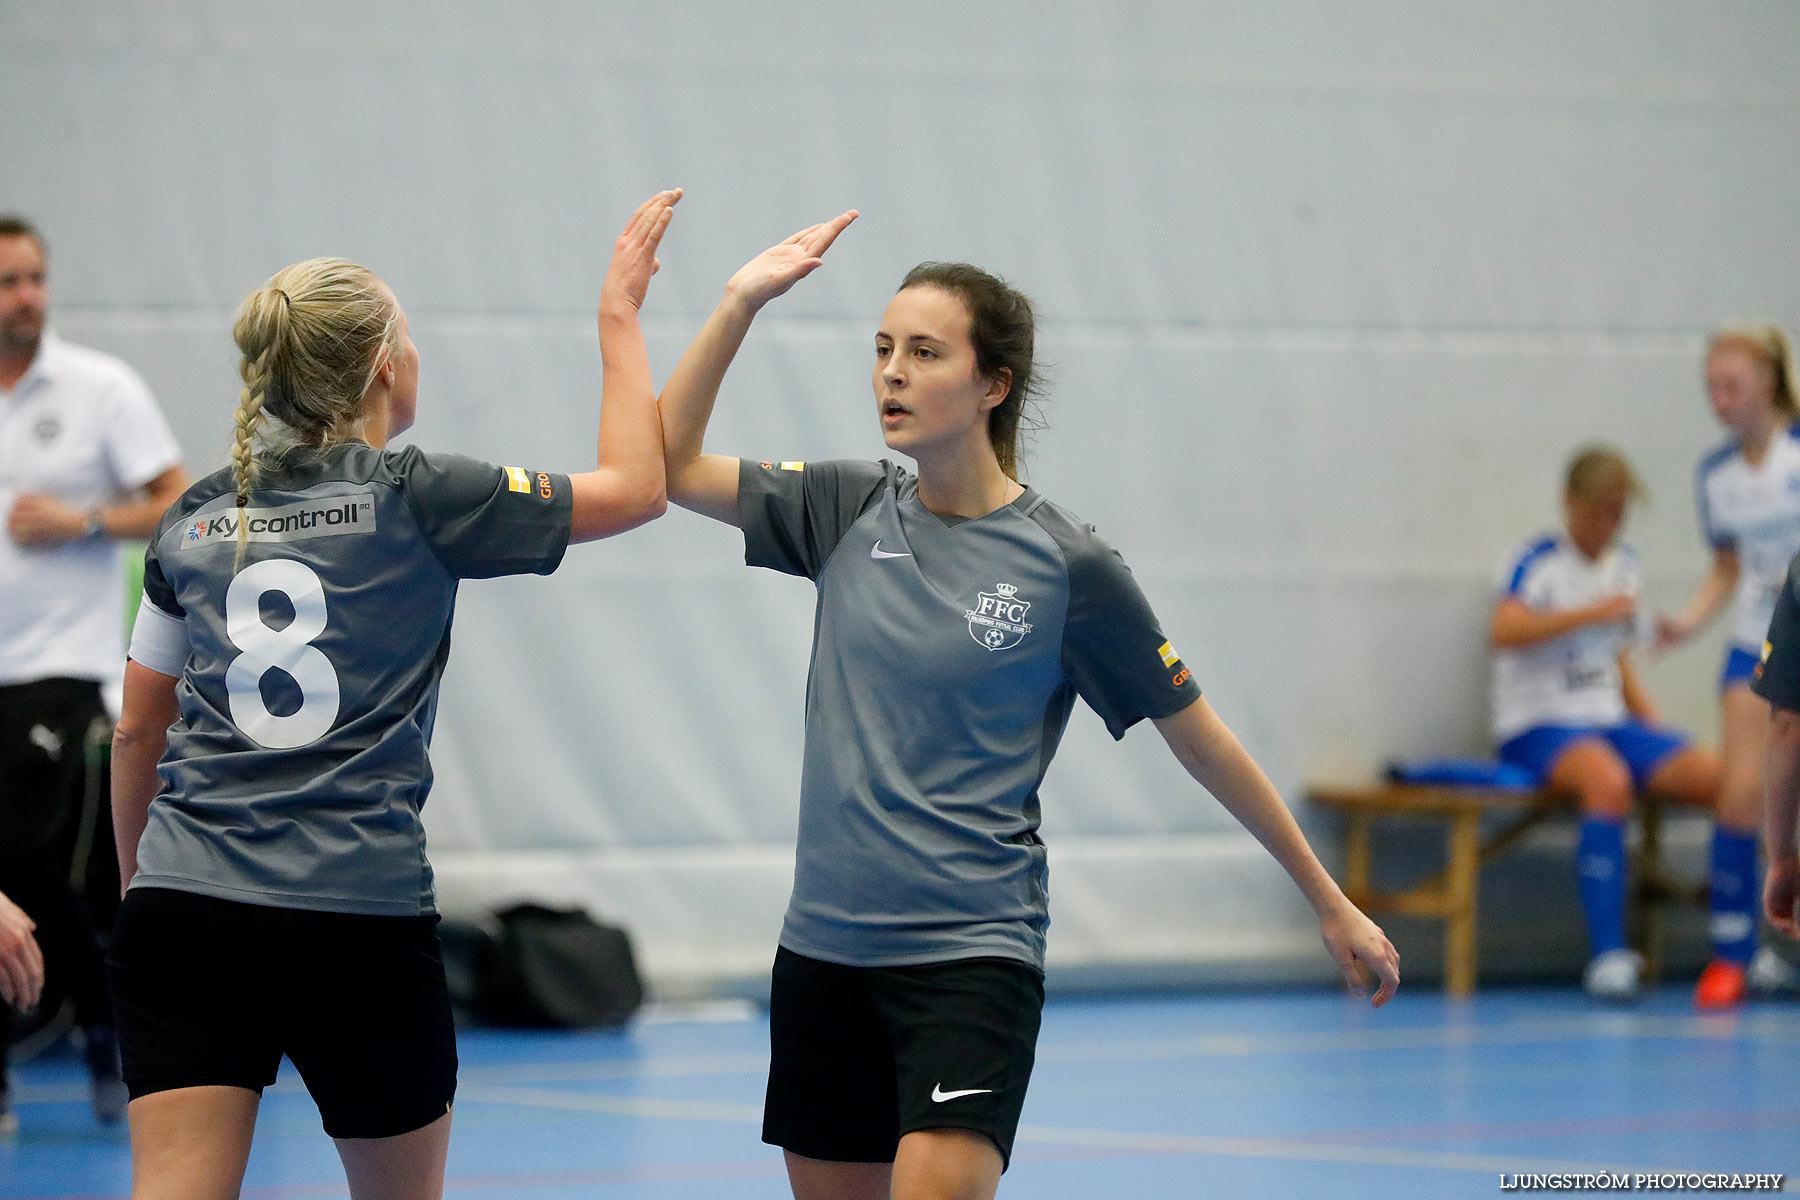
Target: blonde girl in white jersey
{"x": 1569, "y": 708}
{"x": 1748, "y": 492}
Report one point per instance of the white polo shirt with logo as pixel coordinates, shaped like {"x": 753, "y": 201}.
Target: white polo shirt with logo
{"x": 83, "y": 427}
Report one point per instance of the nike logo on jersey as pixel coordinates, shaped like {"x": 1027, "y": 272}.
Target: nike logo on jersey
{"x": 939, "y": 1095}
{"x": 876, "y": 551}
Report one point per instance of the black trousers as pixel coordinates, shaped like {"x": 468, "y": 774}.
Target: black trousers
{"x": 56, "y": 844}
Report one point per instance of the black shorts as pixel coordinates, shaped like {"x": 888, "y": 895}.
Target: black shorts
{"x": 862, "y": 1055}
{"x": 213, "y": 991}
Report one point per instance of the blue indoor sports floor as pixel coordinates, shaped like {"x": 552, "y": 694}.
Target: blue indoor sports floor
{"x": 1232, "y": 1094}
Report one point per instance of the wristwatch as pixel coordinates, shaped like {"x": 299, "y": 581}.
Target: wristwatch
{"x": 94, "y": 524}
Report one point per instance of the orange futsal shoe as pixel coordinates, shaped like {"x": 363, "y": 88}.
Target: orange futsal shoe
{"x": 1721, "y": 986}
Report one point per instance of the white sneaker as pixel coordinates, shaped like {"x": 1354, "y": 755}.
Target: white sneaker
{"x": 1769, "y": 974}
{"x": 1614, "y": 977}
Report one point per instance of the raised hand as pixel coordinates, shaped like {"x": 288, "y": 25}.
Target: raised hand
{"x": 780, "y": 267}
{"x": 634, "y": 258}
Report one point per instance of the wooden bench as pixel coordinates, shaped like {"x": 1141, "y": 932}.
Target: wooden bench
{"x": 1450, "y": 894}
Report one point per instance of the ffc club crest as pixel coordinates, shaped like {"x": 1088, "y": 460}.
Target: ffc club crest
{"x": 998, "y": 619}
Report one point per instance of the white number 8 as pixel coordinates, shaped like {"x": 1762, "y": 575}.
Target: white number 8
{"x": 289, "y": 650}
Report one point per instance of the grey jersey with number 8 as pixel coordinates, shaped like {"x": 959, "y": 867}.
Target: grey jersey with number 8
{"x": 295, "y": 773}
{"x": 947, "y": 655}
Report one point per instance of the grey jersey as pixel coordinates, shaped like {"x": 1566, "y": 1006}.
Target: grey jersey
{"x": 947, "y": 656}
{"x": 295, "y": 773}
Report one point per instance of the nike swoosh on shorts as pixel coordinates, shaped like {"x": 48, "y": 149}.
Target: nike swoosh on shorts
{"x": 939, "y": 1095}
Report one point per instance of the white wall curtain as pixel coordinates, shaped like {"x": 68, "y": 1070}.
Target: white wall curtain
{"x": 1330, "y": 291}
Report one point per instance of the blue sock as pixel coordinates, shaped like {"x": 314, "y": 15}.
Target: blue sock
{"x": 1600, "y": 872}
{"x": 1734, "y": 895}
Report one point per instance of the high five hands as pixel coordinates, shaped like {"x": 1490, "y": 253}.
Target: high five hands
{"x": 780, "y": 267}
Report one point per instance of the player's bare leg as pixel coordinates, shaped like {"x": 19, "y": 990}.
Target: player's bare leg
{"x": 191, "y": 1143}
{"x": 818, "y": 1179}
{"x": 407, "y": 1166}
{"x": 946, "y": 1164}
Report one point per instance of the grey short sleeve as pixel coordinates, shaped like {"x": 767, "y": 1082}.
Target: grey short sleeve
{"x": 481, "y": 520}
{"x": 156, "y": 585}
{"x": 794, "y": 514}
{"x": 1113, "y": 648}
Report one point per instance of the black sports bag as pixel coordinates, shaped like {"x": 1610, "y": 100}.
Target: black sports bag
{"x": 541, "y": 968}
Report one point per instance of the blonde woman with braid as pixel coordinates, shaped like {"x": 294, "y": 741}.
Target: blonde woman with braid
{"x": 1749, "y": 499}
{"x": 271, "y": 761}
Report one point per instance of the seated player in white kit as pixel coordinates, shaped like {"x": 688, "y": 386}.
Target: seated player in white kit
{"x": 1568, "y": 705}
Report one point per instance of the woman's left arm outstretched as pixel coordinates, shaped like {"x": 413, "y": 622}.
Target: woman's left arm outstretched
{"x": 708, "y": 483}
{"x": 1219, "y": 763}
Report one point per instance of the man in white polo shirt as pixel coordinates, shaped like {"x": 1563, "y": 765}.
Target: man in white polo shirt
{"x": 86, "y": 458}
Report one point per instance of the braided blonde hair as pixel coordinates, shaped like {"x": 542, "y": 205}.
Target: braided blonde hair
{"x": 313, "y": 339}
{"x": 1770, "y": 346}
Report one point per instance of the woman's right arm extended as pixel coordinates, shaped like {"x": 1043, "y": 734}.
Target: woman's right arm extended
{"x": 625, "y": 488}
{"x": 708, "y": 483}
{"x": 1721, "y": 580}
